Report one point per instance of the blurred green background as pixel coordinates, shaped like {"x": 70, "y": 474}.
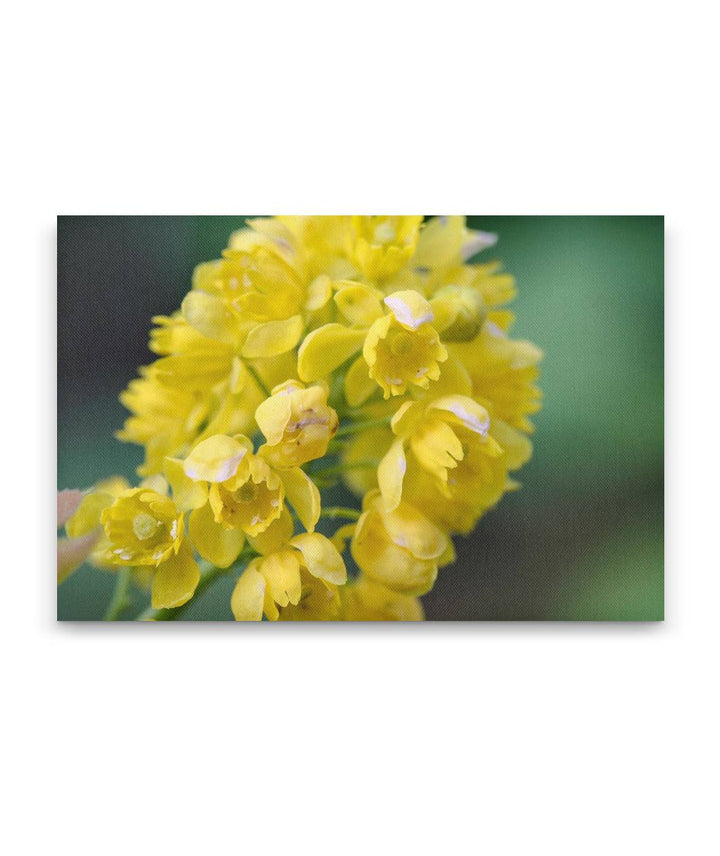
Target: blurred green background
{"x": 582, "y": 540}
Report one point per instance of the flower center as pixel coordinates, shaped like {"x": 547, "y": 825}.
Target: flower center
{"x": 247, "y": 493}
{"x": 144, "y": 526}
{"x": 401, "y": 344}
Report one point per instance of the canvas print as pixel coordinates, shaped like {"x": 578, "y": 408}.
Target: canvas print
{"x": 360, "y": 418}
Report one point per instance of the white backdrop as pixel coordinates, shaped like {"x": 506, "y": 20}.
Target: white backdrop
{"x": 501, "y": 739}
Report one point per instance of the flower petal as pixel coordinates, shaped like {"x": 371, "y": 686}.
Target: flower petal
{"x": 274, "y": 538}
{"x": 391, "y": 473}
{"x": 248, "y": 595}
{"x": 175, "y": 580}
{"x": 321, "y": 557}
{"x": 303, "y": 495}
{"x": 516, "y": 446}
{"x": 472, "y": 415}
{"x": 215, "y": 459}
{"x": 318, "y": 293}
{"x": 273, "y": 415}
{"x": 282, "y": 574}
{"x": 410, "y": 308}
{"x": 209, "y": 316}
{"x": 359, "y": 303}
{"x": 359, "y": 386}
{"x": 436, "y": 447}
{"x": 411, "y": 530}
{"x": 406, "y": 418}
{"x": 273, "y": 338}
{"x": 326, "y": 348}
{"x": 188, "y": 494}
{"x": 213, "y": 541}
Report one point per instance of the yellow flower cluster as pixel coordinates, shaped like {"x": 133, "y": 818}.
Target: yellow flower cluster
{"x": 367, "y": 349}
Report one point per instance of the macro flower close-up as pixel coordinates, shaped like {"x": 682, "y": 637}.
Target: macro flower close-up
{"x": 330, "y": 410}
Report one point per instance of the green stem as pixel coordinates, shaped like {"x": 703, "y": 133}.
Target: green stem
{"x": 258, "y": 380}
{"x": 119, "y": 601}
{"x": 208, "y": 574}
{"x": 357, "y": 427}
{"x": 336, "y": 512}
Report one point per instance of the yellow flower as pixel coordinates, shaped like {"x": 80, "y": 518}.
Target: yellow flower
{"x": 382, "y": 245}
{"x": 244, "y": 493}
{"x": 144, "y": 528}
{"x": 292, "y": 570}
{"x": 403, "y": 347}
{"x": 398, "y": 348}
{"x": 439, "y": 433}
{"x": 319, "y": 601}
{"x": 358, "y": 304}
{"x": 475, "y": 485}
{"x": 297, "y": 423}
{"x": 198, "y": 387}
{"x": 250, "y": 499}
{"x": 252, "y": 301}
{"x": 366, "y": 600}
{"x": 320, "y": 243}
{"x": 444, "y": 244}
{"x": 164, "y": 419}
{"x": 503, "y": 372}
{"x": 232, "y": 492}
{"x": 401, "y": 549}
{"x": 255, "y": 285}
{"x": 85, "y": 521}
{"x": 459, "y": 312}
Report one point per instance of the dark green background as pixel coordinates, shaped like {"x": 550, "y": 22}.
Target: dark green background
{"x": 583, "y": 539}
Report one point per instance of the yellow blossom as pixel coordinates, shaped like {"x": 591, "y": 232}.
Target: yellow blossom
{"x": 233, "y": 493}
{"x": 399, "y": 348}
{"x": 475, "y": 485}
{"x": 319, "y": 601}
{"x": 145, "y": 528}
{"x": 445, "y": 243}
{"x": 459, "y": 312}
{"x": 297, "y": 423}
{"x": 403, "y": 348}
{"x": 401, "y": 549}
{"x": 382, "y": 245}
{"x": 440, "y": 434}
{"x": 291, "y": 570}
{"x": 250, "y": 499}
{"x": 252, "y": 301}
{"x": 390, "y": 312}
{"x": 503, "y": 372}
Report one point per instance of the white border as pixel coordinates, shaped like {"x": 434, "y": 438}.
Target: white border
{"x": 510, "y": 739}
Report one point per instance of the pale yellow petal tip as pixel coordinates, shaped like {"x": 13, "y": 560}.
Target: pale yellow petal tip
{"x": 410, "y": 308}
{"x": 215, "y": 459}
{"x": 321, "y": 557}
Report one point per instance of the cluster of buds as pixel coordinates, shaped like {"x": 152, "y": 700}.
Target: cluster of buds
{"x": 318, "y": 350}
